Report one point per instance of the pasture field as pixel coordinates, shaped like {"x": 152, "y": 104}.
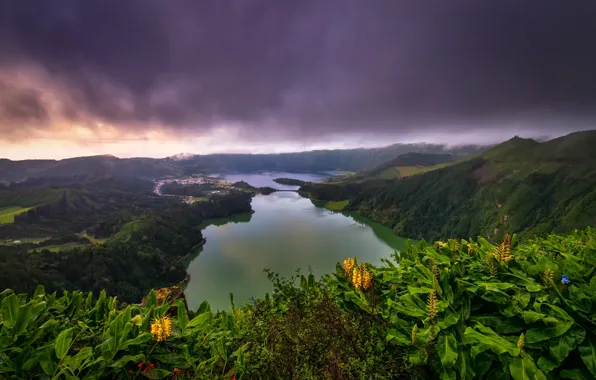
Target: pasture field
{"x": 7, "y": 214}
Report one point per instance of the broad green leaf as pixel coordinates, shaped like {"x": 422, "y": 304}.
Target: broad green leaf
{"x": 575, "y": 374}
{"x": 358, "y": 299}
{"x": 419, "y": 289}
{"x": 25, "y": 313}
{"x": 561, "y": 346}
{"x": 140, "y": 358}
{"x": 418, "y": 357}
{"x": 46, "y": 360}
{"x": 448, "y": 374}
{"x": 495, "y": 286}
{"x": 407, "y": 308}
{"x": 532, "y": 316}
{"x": 63, "y": 341}
{"x": 151, "y": 299}
{"x": 10, "y": 311}
{"x": 523, "y": 368}
{"x": 140, "y": 339}
{"x": 538, "y": 334}
{"x": 448, "y": 320}
{"x": 587, "y": 351}
{"x": 74, "y": 362}
{"x": 464, "y": 365}
{"x": 486, "y": 336}
{"x": 447, "y": 350}
{"x": 395, "y": 337}
{"x": 169, "y": 358}
{"x": 579, "y": 300}
{"x": 39, "y": 291}
{"x": 182, "y": 314}
{"x": 201, "y": 320}
{"x": 546, "y": 364}
{"x": 156, "y": 373}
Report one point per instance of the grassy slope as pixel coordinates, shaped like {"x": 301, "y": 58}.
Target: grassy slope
{"x": 7, "y": 214}
{"x": 402, "y": 166}
{"x": 520, "y": 185}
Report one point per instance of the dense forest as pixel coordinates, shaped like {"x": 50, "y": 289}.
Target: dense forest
{"x": 456, "y": 309}
{"x": 144, "y": 252}
{"x": 290, "y": 181}
{"x": 521, "y": 185}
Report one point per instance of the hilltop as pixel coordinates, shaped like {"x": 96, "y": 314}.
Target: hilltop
{"x": 520, "y": 185}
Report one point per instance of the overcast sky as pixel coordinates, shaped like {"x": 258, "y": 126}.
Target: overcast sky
{"x": 157, "y": 77}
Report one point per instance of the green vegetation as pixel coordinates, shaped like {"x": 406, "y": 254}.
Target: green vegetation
{"x": 70, "y": 205}
{"x": 520, "y": 185}
{"x": 245, "y": 186}
{"x": 7, "y": 214}
{"x": 34, "y": 240}
{"x": 290, "y": 181}
{"x": 459, "y": 309}
{"x": 337, "y": 205}
{"x": 145, "y": 251}
{"x": 58, "y": 248}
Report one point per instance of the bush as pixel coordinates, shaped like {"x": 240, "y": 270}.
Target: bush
{"x": 473, "y": 310}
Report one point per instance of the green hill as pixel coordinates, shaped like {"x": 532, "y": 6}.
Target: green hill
{"x": 520, "y": 185}
{"x": 58, "y": 206}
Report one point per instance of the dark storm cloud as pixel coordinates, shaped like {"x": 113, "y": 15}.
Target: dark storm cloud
{"x": 309, "y": 67}
{"x": 21, "y": 104}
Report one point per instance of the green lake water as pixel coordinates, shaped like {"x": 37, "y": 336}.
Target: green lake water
{"x": 285, "y": 233}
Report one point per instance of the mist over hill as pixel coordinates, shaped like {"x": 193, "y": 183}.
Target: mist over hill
{"x": 187, "y": 164}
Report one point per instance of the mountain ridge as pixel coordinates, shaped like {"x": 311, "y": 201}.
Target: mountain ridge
{"x": 153, "y": 168}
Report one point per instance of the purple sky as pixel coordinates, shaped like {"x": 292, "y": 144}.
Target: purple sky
{"x": 154, "y": 77}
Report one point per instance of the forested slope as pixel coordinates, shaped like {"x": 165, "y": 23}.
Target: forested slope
{"x": 520, "y": 185}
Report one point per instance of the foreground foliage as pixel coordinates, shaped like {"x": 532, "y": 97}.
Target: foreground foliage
{"x": 454, "y": 310}
{"x": 474, "y": 310}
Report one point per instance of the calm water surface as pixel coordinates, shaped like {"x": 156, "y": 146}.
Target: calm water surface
{"x": 285, "y": 233}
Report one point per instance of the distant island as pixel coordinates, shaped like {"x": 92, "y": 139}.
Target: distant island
{"x": 290, "y": 181}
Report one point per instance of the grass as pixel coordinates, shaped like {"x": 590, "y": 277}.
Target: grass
{"x": 337, "y": 205}
{"x": 128, "y": 229}
{"x": 58, "y": 248}
{"x": 93, "y": 240}
{"x": 7, "y": 214}
{"x": 34, "y": 240}
{"x": 197, "y": 199}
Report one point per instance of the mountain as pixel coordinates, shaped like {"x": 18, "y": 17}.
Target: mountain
{"x": 130, "y": 167}
{"x": 520, "y": 186}
{"x": 187, "y": 164}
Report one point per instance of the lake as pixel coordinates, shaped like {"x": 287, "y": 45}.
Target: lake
{"x": 285, "y": 233}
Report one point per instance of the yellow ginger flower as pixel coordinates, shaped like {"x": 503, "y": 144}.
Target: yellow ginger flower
{"x": 161, "y": 328}
{"x": 520, "y": 342}
{"x": 432, "y": 306}
{"x": 357, "y": 278}
{"x": 366, "y": 278}
{"x": 547, "y": 276}
{"x": 348, "y": 265}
